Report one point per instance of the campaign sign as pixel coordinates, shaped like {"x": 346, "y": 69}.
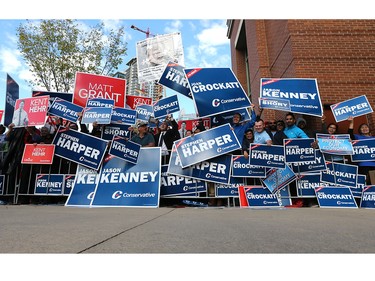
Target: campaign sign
{"x": 335, "y": 197}
{"x": 53, "y": 95}
{"x": 123, "y": 184}
{"x": 258, "y": 196}
{"x": 341, "y": 174}
{"x": 84, "y": 186}
{"x": 116, "y": 130}
{"x": 100, "y": 115}
{"x": 68, "y": 183}
{"x": 12, "y": 94}
{"x": 301, "y": 93}
{"x": 278, "y": 178}
{"x": 307, "y": 183}
{"x": 1, "y": 115}
{"x": 216, "y": 90}
{"x": 144, "y": 112}
{"x": 299, "y": 150}
{"x": 363, "y": 150}
{"x": 353, "y": 107}
{"x": 123, "y": 116}
{"x": 335, "y": 144}
{"x": 80, "y": 148}
{"x": 173, "y": 185}
{"x": 49, "y": 184}
{"x": 133, "y": 101}
{"x": 166, "y": 106}
{"x": 65, "y": 109}
{"x": 270, "y": 156}
{"x": 30, "y": 112}
{"x": 242, "y": 168}
{"x": 38, "y": 154}
{"x": 283, "y": 195}
{"x": 368, "y": 197}
{"x": 313, "y": 166}
{"x": 2, "y": 184}
{"x": 174, "y": 78}
{"x": 227, "y": 117}
{"x": 361, "y": 183}
{"x": 99, "y": 102}
{"x": 207, "y": 144}
{"x": 125, "y": 149}
{"x": 216, "y": 169}
{"x": 274, "y": 103}
{"x": 88, "y": 86}
{"x": 229, "y": 190}
{"x": 193, "y": 123}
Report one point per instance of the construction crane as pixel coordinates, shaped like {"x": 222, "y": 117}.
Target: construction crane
{"x": 146, "y": 32}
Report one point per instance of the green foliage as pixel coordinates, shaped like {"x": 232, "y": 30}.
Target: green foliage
{"x": 56, "y": 49}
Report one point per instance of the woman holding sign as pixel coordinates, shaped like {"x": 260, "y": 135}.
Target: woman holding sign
{"x": 364, "y": 167}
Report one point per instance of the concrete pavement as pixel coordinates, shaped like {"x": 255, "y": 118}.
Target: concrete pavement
{"x": 59, "y": 229}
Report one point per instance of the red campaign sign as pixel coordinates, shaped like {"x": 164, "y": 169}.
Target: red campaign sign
{"x": 30, "y": 111}
{"x": 1, "y": 115}
{"x": 98, "y": 86}
{"x": 134, "y": 101}
{"x": 192, "y": 124}
{"x": 38, "y": 154}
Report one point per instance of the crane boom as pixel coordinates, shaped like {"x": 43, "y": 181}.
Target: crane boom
{"x": 146, "y": 32}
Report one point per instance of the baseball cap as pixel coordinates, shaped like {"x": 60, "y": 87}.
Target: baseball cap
{"x": 140, "y": 124}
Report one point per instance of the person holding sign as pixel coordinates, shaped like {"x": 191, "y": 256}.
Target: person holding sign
{"x": 364, "y": 167}
{"x": 291, "y": 130}
{"x": 144, "y": 138}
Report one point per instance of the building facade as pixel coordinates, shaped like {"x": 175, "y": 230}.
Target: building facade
{"x": 340, "y": 54}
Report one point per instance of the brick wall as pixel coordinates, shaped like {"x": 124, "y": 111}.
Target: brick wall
{"x": 339, "y": 53}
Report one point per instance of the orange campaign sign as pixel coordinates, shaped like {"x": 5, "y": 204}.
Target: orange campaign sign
{"x": 38, "y": 154}
{"x": 89, "y": 86}
{"x": 30, "y": 111}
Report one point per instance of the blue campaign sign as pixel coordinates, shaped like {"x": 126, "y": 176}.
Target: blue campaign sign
{"x": 116, "y": 130}
{"x": 125, "y": 149}
{"x": 340, "y": 174}
{"x": 68, "y": 183}
{"x": 260, "y": 196}
{"x": 229, "y": 190}
{"x": 53, "y": 95}
{"x": 207, "y": 144}
{"x": 299, "y": 150}
{"x": 313, "y": 166}
{"x": 100, "y": 115}
{"x": 278, "y": 178}
{"x": 335, "y": 144}
{"x": 100, "y": 102}
{"x": 166, "y": 106}
{"x": 242, "y": 168}
{"x": 353, "y": 107}
{"x": 174, "y": 78}
{"x": 283, "y": 195}
{"x": 335, "y": 197}
{"x": 49, "y": 184}
{"x": 274, "y": 103}
{"x": 301, "y": 93}
{"x": 173, "y": 185}
{"x": 65, "y": 109}
{"x": 144, "y": 112}
{"x": 2, "y": 184}
{"x": 83, "y": 189}
{"x": 363, "y": 150}
{"x": 227, "y": 117}
{"x": 123, "y": 184}
{"x": 216, "y": 169}
{"x": 361, "y": 183}
{"x": 307, "y": 183}
{"x": 368, "y": 197}
{"x": 123, "y": 116}
{"x": 216, "y": 90}
{"x": 80, "y": 148}
{"x": 269, "y": 156}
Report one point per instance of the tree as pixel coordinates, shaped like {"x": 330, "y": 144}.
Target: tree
{"x": 56, "y": 49}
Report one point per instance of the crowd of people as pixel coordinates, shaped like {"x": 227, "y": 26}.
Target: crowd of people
{"x": 165, "y": 133}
